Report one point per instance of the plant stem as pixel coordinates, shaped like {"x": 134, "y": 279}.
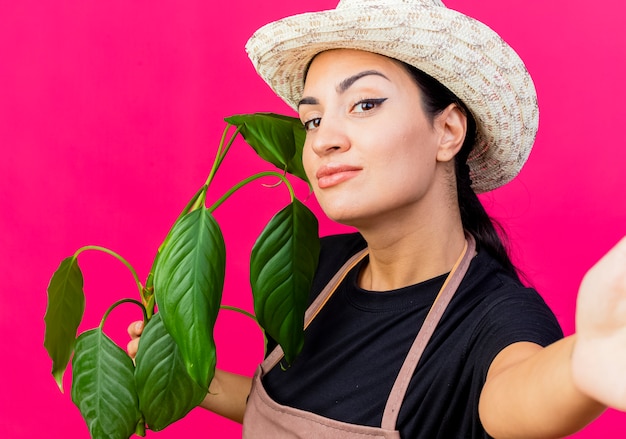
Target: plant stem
{"x": 240, "y": 311}
{"x": 250, "y": 179}
{"x": 118, "y": 257}
{"x": 230, "y": 143}
{"x": 218, "y": 156}
{"x": 195, "y": 203}
{"x": 222, "y": 150}
{"x": 252, "y": 316}
{"x": 119, "y": 302}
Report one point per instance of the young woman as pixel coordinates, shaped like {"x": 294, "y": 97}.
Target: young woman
{"x": 419, "y": 326}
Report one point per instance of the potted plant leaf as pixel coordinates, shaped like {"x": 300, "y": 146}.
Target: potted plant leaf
{"x": 182, "y": 296}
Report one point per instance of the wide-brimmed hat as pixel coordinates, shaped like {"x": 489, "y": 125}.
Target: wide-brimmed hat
{"x": 462, "y": 53}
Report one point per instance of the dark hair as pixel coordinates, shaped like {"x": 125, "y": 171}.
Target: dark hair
{"x": 436, "y": 98}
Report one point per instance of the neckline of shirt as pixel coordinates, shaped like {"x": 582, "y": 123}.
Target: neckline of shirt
{"x": 410, "y": 297}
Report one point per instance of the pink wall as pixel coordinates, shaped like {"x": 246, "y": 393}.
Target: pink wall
{"x": 109, "y": 115}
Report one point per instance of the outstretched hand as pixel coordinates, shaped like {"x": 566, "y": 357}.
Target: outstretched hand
{"x": 599, "y": 357}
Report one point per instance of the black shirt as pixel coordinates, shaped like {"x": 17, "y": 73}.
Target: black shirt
{"x": 356, "y": 345}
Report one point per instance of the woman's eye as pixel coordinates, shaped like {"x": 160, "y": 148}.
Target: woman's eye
{"x": 367, "y": 105}
{"x": 313, "y": 123}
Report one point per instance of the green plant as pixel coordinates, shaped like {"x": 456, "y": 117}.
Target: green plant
{"x": 176, "y": 358}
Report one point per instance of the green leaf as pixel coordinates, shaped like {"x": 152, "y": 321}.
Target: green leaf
{"x": 276, "y": 138}
{"x": 166, "y": 392}
{"x": 66, "y": 304}
{"x": 188, "y": 283}
{"x": 282, "y": 265}
{"x": 103, "y": 386}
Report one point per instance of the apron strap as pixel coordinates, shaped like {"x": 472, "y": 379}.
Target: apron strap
{"x": 315, "y": 307}
{"x": 398, "y": 392}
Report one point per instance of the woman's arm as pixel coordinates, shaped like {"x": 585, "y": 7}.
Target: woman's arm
{"x": 530, "y": 393}
{"x": 534, "y": 392}
{"x": 228, "y": 392}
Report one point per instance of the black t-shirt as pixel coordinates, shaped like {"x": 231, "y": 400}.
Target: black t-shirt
{"x": 356, "y": 345}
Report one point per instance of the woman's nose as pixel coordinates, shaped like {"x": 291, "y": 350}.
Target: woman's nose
{"x": 330, "y": 136}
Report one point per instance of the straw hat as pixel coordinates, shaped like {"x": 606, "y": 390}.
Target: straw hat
{"x": 462, "y": 53}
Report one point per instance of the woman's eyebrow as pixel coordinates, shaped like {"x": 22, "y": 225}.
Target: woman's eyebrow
{"x": 343, "y": 85}
{"x": 347, "y": 83}
{"x": 308, "y": 101}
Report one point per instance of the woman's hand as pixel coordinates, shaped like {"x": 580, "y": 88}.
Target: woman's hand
{"x": 134, "y": 330}
{"x": 228, "y": 392}
{"x": 599, "y": 355}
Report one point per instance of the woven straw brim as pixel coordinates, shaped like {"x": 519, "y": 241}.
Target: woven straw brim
{"x": 460, "y": 52}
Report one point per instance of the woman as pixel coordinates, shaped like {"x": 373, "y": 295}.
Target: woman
{"x": 410, "y": 109}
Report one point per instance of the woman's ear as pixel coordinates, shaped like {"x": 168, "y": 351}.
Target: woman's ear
{"x": 452, "y": 125}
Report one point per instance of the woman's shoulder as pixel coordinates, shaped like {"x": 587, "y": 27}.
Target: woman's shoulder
{"x": 504, "y": 306}
{"x": 488, "y": 282}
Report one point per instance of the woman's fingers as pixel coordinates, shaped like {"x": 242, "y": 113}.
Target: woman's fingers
{"x": 599, "y": 357}
{"x": 134, "y": 330}
{"x": 131, "y": 348}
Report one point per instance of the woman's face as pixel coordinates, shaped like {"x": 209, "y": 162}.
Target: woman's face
{"x": 370, "y": 150}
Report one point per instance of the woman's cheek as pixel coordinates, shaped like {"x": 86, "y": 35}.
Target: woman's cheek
{"x": 307, "y": 163}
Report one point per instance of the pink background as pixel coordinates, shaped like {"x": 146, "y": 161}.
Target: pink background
{"x": 110, "y": 112}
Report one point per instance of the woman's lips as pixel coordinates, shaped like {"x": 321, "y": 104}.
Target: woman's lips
{"x": 335, "y": 173}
